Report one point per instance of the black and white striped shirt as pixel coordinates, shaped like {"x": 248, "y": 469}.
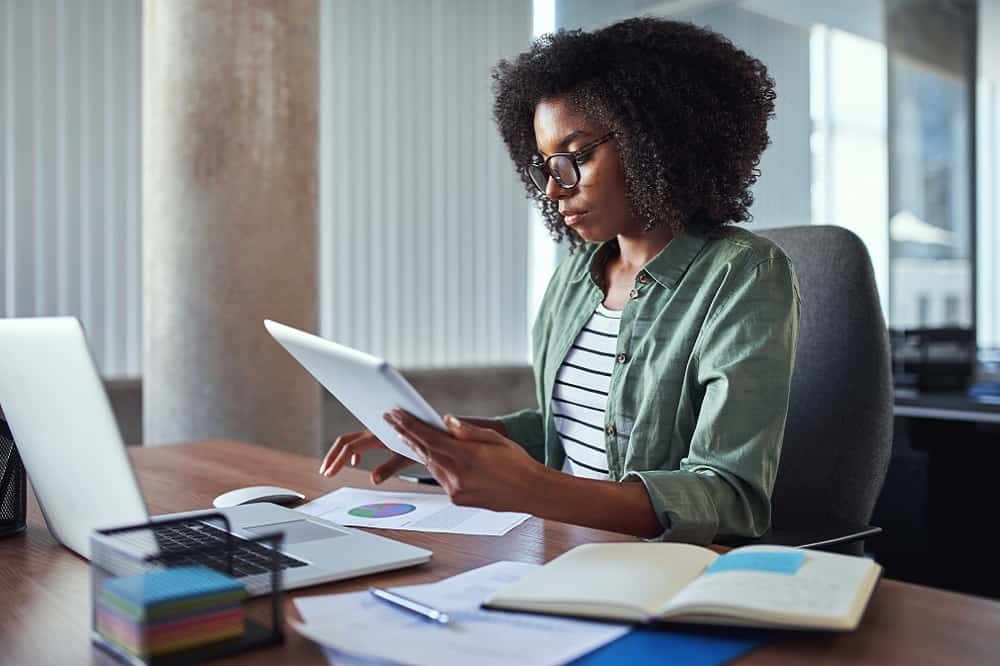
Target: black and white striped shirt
{"x": 580, "y": 395}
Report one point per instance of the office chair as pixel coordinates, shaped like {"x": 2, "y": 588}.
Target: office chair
{"x": 838, "y": 436}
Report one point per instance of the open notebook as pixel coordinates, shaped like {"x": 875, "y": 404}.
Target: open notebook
{"x": 761, "y": 586}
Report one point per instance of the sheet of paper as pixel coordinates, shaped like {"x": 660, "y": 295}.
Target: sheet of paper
{"x": 418, "y": 512}
{"x": 359, "y": 626}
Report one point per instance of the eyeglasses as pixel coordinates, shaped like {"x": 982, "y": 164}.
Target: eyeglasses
{"x": 564, "y": 168}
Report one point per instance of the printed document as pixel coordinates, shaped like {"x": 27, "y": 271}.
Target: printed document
{"x": 418, "y": 512}
{"x": 356, "y": 626}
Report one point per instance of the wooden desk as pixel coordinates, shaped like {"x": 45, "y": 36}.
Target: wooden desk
{"x": 44, "y": 616}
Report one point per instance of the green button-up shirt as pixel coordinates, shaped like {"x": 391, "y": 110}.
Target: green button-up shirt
{"x": 699, "y": 393}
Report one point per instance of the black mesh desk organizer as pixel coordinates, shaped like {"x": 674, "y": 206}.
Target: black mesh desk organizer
{"x": 154, "y": 546}
{"x": 13, "y": 485}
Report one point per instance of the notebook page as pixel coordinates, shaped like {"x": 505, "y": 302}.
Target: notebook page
{"x": 827, "y": 590}
{"x": 595, "y": 576}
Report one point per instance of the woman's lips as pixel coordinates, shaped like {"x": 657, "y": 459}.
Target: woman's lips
{"x": 572, "y": 217}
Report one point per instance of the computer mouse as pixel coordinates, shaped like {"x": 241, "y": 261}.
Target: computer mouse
{"x": 250, "y": 494}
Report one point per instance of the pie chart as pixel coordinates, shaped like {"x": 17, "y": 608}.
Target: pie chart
{"x": 381, "y": 510}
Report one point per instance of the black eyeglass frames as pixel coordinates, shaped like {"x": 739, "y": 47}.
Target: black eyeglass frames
{"x": 564, "y": 168}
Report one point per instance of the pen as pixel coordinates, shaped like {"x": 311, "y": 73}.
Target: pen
{"x": 410, "y": 605}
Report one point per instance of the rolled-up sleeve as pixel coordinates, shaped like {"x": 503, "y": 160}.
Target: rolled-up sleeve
{"x": 742, "y": 368}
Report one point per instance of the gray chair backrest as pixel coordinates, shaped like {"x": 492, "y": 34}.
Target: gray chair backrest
{"x": 839, "y": 431}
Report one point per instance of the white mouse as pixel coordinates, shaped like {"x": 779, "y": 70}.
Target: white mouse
{"x": 256, "y": 494}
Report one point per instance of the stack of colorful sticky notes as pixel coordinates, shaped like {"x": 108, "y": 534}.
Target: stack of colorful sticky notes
{"x": 166, "y": 610}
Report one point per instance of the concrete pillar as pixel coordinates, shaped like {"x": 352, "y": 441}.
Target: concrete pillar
{"x": 229, "y": 219}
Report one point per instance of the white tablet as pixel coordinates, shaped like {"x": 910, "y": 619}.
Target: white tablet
{"x": 366, "y": 385}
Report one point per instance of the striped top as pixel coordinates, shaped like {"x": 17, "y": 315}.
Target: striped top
{"x": 580, "y": 395}
{"x": 698, "y": 395}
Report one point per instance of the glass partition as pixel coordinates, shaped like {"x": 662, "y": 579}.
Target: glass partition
{"x": 931, "y": 49}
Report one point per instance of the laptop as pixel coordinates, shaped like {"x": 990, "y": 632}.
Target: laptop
{"x": 53, "y": 399}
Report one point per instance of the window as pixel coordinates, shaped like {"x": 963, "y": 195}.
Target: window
{"x": 849, "y": 140}
{"x": 930, "y": 161}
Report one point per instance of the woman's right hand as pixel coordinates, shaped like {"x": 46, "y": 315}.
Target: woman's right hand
{"x": 347, "y": 448}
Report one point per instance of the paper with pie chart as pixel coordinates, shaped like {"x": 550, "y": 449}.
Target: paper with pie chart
{"x": 381, "y": 510}
{"x": 419, "y": 512}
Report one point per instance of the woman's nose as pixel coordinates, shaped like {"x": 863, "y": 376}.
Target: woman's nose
{"x": 554, "y": 191}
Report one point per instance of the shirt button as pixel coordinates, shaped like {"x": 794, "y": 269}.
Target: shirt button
{"x": 633, "y": 293}
{"x": 622, "y": 358}
{"x": 643, "y": 278}
{"x": 610, "y": 430}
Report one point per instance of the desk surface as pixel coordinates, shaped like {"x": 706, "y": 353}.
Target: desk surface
{"x": 945, "y": 406}
{"x": 44, "y": 617}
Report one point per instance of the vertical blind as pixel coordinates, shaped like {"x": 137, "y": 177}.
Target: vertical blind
{"x": 69, "y": 162}
{"x": 424, "y": 227}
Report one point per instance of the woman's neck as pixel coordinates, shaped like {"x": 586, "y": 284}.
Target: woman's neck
{"x": 636, "y": 251}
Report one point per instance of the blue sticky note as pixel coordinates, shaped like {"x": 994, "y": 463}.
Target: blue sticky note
{"x": 771, "y": 562}
{"x": 166, "y": 585}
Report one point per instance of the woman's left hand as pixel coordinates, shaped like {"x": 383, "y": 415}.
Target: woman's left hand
{"x": 475, "y": 466}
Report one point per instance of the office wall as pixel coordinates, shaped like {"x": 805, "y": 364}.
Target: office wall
{"x": 424, "y": 227}
{"x": 865, "y": 18}
{"x": 782, "y": 195}
{"x": 69, "y": 169}
{"x": 590, "y": 14}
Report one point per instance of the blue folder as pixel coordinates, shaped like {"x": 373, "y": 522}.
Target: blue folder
{"x": 654, "y": 646}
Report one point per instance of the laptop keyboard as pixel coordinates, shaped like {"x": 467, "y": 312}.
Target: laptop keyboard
{"x": 176, "y": 542}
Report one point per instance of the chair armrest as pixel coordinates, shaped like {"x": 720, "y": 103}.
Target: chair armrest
{"x": 842, "y": 538}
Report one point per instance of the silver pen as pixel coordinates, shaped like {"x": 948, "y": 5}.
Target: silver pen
{"x": 409, "y": 604}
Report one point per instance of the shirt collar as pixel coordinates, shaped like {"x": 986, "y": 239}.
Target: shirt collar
{"x": 667, "y": 267}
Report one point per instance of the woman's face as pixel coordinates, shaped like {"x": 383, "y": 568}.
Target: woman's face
{"x": 598, "y": 207}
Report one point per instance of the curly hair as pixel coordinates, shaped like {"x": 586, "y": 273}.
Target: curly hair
{"x": 688, "y": 109}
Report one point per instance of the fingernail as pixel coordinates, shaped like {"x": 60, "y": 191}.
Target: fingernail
{"x": 377, "y": 478}
{"x": 452, "y": 420}
{"x": 354, "y": 459}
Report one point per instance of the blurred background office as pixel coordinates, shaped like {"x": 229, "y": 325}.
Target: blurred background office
{"x": 175, "y": 171}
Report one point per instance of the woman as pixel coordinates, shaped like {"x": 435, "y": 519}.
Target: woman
{"x": 664, "y": 344}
